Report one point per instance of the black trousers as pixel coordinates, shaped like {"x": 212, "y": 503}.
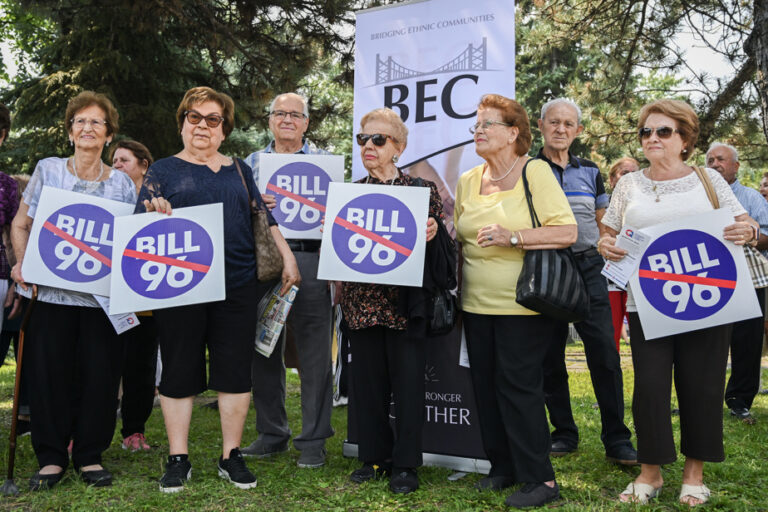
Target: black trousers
{"x": 74, "y": 358}
{"x": 746, "y": 352}
{"x": 698, "y": 360}
{"x": 602, "y": 359}
{"x": 139, "y": 366}
{"x": 388, "y": 365}
{"x": 505, "y": 357}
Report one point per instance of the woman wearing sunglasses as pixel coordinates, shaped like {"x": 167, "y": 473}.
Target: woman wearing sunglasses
{"x": 506, "y": 342}
{"x": 668, "y": 189}
{"x": 199, "y": 175}
{"x": 388, "y": 359}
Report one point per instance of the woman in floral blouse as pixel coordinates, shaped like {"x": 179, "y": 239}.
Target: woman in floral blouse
{"x": 387, "y": 359}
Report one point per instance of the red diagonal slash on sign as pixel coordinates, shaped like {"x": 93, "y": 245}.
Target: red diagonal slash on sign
{"x": 77, "y": 243}
{"x": 296, "y": 197}
{"x": 197, "y": 267}
{"x": 341, "y": 222}
{"x": 707, "y": 281}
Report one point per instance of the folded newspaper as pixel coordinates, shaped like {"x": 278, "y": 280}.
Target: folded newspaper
{"x": 273, "y": 311}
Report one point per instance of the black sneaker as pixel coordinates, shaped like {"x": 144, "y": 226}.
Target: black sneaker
{"x": 370, "y": 471}
{"x": 533, "y": 495}
{"x": 403, "y": 481}
{"x": 235, "y": 470}
{"x": 177, "y": 471}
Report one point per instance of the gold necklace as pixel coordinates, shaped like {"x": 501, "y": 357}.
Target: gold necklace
{"x": 655, "y": 185}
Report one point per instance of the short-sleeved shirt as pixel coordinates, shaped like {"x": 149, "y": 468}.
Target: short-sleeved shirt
{"x": 585, "y": 189}
{"x": 185, "y": 184}
{"x": 368, "y": 305}
{"x": 489, "y": 275}
{"x": 53, "y": 173}
{"x": 306, "y": 149}
{"x": 634, "y": 202}
{"x": 754, "y": 203}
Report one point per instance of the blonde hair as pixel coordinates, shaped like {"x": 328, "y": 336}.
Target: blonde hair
{"x": 387, "y": 115}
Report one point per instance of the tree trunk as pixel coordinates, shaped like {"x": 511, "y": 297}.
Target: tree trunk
{"x": 757, "y": 46}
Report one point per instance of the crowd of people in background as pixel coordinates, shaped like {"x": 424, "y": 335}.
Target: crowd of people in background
{"x": 75, "y": 362}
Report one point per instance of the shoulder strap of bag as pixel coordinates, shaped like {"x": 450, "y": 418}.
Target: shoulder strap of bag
{"x": 708, "y": 187}
{"x": 242, "y": 178}
{"x": 529, "y": 198}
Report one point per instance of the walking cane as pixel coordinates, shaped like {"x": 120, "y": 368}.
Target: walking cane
{"x": 9, "y": 487}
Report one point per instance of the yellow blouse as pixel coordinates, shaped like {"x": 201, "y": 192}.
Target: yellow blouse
{"x": 490, "y": 274}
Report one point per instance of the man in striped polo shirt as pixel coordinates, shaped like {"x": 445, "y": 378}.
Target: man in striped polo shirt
{"x": 560, "y": 124}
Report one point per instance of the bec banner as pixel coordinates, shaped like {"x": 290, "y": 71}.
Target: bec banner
{"x": 71, "y": 242}
{"x": 374, "y": 234}
{"x": 430, "y": 62}
{"x": 300, "y": 185}
{"x": 691, "y": 278}
{"x": 163, "y": 261}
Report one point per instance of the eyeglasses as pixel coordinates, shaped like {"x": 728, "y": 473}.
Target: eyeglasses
{"x": 96, "y": 124}
{"x": 378, "y": 139}
{"x": 485, "y": 125}
{"x": 662, "y": 132}
{"x": 280, "y": 114}
{"x": 194, "y": 117}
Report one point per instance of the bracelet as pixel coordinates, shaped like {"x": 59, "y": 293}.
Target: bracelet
{"x": 755, "y": 233}
{"x": 520, "y": 242}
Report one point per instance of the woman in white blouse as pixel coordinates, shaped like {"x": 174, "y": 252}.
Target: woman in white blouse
{"x": 666, "y": 190}
{"x": 73, "y": 353}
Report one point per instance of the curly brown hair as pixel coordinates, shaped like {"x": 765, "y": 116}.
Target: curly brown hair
{"x": 84, "y": 100}
{"x": 197, "y": 95}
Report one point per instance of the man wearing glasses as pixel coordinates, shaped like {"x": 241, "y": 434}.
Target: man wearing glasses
{"x": 560, "y": 124}
{"x": 309, "y": 321}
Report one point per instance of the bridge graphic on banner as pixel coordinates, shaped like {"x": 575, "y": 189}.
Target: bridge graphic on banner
{"x": 473, "y": 58}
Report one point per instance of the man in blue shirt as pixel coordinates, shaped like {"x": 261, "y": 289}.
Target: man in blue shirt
{"x": 560, "y": 124}
{"x": 309, "y": 322}
{"x": 747, "y": 335}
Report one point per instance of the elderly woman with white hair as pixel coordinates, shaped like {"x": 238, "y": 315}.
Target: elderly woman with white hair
{"x": 387, "y": 358}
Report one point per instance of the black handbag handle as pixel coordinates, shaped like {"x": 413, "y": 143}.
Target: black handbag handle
{"x": 529, "y": 198}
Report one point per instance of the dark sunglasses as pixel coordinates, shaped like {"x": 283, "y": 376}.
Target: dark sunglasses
{"x": 194, "y": 117}
{"x": 378, "y": 139}
{"x": 662, "y": 132}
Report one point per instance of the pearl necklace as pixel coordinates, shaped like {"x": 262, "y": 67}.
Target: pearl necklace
{"x": 506, "y": 173}
{"x": 93, "y": 183}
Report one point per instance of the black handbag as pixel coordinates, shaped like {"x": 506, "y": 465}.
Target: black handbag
{"x": 550, "y": 282}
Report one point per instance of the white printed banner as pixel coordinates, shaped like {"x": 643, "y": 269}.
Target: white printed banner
{"x": 300, "y": 185}
{"x": 374, "y": 234}
{"x": 431, "y": 62}
{"x": 690, "y": 278}
{"x": 162, "y": 261}
{"x": 70, "y": 244}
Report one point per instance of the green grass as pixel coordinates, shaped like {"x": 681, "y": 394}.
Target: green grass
{"x": 587, "y": 481}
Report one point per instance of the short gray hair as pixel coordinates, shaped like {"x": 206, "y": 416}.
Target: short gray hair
{"x": 561, "y": 101}
{"x": 294, "y": 95}
{"x": 716, "y": 145}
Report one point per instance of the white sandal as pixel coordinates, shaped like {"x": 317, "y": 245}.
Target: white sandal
{"x": 699, "y": 492}
{"x": 641, "y": 492}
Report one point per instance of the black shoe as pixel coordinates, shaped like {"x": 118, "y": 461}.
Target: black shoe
{"x": 178, "y": 470}
{"x": 561, "y": 448}
{"x": 97, "y": 477}
{"x": 533, "y": 495}
{"x": 40, "y": 482}
{"x": 403, "y": 481}
{"x": 741, "y": 413}
{"x": 624, "y": 455}
{"x": 261, "y": 449}
{"x": 235, "y": 470}
{"x": 494, "y": 483}
{"x": 370, "y": 471}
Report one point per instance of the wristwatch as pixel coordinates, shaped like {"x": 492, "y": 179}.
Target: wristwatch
{"x": 513, "y": 241}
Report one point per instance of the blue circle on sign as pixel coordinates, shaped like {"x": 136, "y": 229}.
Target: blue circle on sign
{"x": 87, "y": 256}
{"x": 304, "y": 179}
{"x": 167, "y": 258}
{"x": 384, "y": 216}
{"x": 692, "y": 253}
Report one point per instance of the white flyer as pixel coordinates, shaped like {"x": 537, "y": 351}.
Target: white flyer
{"x": 121, "y": 322}
{"x": 634, "y": 242}
{"x": 273, "y": 312}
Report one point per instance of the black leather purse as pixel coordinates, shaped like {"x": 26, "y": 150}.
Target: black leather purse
{"x": 444, "y": 312}
{"x": 550, "y": 282}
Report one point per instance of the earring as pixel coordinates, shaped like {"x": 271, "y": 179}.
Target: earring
{"x": 107, "y": 143}
{"x": 71, "y": 142}
{"x": 395, "y": 159}
{"x": 685, "y": 150}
